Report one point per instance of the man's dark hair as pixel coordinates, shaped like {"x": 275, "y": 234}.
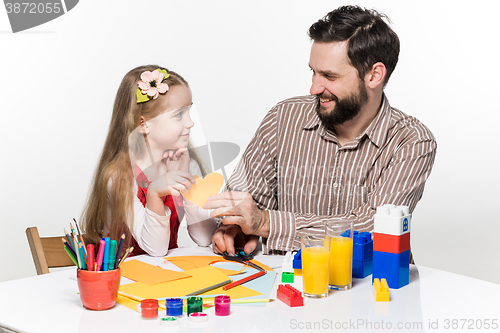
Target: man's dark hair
{"x": 370, "y": 39}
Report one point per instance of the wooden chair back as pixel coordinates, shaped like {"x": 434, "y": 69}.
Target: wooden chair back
{"x": 47, "y": 252}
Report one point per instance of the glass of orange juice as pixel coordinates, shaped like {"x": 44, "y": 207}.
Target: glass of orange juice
{"x": 315, "y": 257}
{"x": 340, "y": 232}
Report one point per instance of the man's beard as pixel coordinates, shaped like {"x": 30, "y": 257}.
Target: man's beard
{"x": 344, "y": 110}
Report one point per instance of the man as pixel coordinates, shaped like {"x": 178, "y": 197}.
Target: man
{"x": 336, "y": 154}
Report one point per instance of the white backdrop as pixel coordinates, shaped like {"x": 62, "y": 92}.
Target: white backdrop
{"x": 58, "y": 82}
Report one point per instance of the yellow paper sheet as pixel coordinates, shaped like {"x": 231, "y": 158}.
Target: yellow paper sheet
{"x": 200, "y": 278}
{"x": 201, "y": 261}
{"x": 142, "y": 272}
{"x": 129, "y": 303}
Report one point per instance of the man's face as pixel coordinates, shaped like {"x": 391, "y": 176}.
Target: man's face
{"x": 341, "y": 94}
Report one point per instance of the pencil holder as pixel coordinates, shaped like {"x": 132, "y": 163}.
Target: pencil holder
{"x": 98, "y": 290}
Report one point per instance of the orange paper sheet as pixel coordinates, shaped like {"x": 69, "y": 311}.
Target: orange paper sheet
{"x": 200, "y": 278}
{"x": 142, "y": 272}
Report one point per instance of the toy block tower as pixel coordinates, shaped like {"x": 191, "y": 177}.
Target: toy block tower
{"x": 391, "y": 245}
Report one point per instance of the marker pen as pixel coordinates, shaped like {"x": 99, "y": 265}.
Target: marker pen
{"x": 100, "y": 254}
{"x": 112, "y": 254}
{"x": 90, "y": 257}
{"x": 105, "y": 257}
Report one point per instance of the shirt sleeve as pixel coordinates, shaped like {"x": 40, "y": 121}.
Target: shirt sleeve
{"x": 150, "y": 230}
{"x": 256, "y": 173}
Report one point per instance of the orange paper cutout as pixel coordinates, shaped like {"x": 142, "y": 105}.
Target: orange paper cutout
{"x": 142, "y": 272}
{"x": 204, "y": 188}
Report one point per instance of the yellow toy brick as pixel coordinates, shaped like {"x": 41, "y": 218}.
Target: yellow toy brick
{"x": 381, "y": 290}
{"x": 297, "y": 272}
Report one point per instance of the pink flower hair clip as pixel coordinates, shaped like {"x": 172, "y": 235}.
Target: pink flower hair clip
{"x": 151, "y": 85}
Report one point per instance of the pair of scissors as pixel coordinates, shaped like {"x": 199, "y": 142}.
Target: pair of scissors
{"x": 240, "y": 256}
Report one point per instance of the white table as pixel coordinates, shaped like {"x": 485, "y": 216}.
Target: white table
{"x": 433, "y": 301}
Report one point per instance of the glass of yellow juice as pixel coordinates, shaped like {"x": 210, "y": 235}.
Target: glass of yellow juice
{"x": 340, "y": 271}
{"x": 315, "y": 257}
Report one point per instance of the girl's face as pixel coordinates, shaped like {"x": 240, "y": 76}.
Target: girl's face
{"x": 170, "y": 129}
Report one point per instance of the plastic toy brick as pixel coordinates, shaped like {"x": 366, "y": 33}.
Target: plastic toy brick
{"x": 395, "y": 268}
{"x": 392, "y": 220}
{"x": 391, "y": 243}
{"x": 362, "y": 246}
{"x": 297, "y": 272}
{"x": 297, "y": 260}
{"x": 289, "y": 295}
{"x": 287, "y": 277}
{"x": 361, "y": 269}
{"x": 381, "y": 290}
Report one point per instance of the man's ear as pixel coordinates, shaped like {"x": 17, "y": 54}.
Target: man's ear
{"x": 375, "y": 77}
{"x": 144, "y": 126}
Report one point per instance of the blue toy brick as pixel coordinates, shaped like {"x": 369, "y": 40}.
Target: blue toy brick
{"x": 361, "y": 269}
{"x": 362, "y": 246}
{"x": 297, "y": 260}
{"x": 394, "y": 267}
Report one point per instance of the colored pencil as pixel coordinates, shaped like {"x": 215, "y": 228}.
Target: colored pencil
{"x": 70, "y": 242}
{"x": 241, "y": 281}
{"x": 80, "y": 250}
{"x": 204, "y": 290}
{"x": 244, "y": 301}
{"x": 186, "y": 297}
{"x": 125, "y": 255}
{"x": 70, "y": 255}
{"x": 81, "y": 238}
{"x": 65, "y": 242}
{"x": 118, "y": 252}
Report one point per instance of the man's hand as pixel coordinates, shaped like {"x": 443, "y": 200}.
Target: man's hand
{"x": 227, "y": 237}
{"x": 240, "y": 209}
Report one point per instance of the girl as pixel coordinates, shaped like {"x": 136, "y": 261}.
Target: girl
{"x": 145, "y": 165}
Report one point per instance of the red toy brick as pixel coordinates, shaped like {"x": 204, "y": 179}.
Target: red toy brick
{"x": 390, "y": 243}
{"x": 289, "y": 295}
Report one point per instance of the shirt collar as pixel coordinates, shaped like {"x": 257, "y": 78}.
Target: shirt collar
{"x": 376, "y": 131}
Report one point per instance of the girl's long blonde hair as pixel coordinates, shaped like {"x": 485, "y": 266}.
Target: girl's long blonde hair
{"x": 109, "y": 204}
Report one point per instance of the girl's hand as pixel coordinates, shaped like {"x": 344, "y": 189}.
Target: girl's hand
{"x": 172, "y": 183}
{"x": 177, "y": 160}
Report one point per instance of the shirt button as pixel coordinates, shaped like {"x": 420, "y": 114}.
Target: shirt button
{"x": 144, "y": 184}
{"x": 335, "y": 184}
